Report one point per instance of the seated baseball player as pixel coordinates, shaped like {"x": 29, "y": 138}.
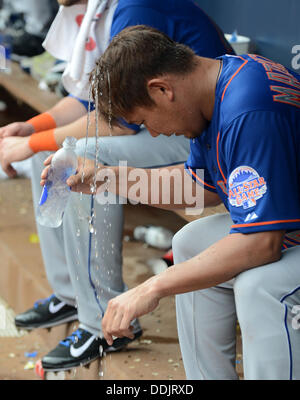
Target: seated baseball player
{"x": 242, "y": 116}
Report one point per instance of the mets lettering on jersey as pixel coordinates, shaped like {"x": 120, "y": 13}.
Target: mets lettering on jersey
{"x": 245, "y": 187}
{"x": 278, "y": 73}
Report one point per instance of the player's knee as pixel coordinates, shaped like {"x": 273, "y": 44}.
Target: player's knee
{"x": 178, "y": 247}
{"x": 184, "y": 244}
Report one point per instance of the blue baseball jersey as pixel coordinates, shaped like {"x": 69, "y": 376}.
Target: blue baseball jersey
{"x": 250, "y": 151}
{"x": 183, "y": 21}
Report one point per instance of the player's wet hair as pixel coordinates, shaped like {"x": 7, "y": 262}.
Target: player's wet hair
{"x": 68, "y": 3}
{"x": 135, "y": 55}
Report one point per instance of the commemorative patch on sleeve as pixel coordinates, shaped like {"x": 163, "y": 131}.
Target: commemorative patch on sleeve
{"x": 245, "y": 187}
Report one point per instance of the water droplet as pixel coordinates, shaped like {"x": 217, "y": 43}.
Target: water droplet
{"x": 91, "y": 228}
{"x": 78, "y": 233}
{"x": 93, "y": 188}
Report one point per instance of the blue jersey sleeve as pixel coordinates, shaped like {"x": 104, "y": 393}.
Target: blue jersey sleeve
{"x": 196, "y": 162}
{"x": 85, "y": 103}
{"x": 260, "y": 163}
{"x": 132, "y": 15}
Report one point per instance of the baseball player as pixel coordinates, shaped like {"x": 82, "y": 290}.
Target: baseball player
{"x": 82, "y": 267}
{"x": 242, "y": 116}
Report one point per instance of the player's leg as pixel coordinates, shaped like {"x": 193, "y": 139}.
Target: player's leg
{"x": 95, "y": 259}
{"x": 51, "y": 311}
{"x": 94, "y": 254}
{"x": 206, "y": 319}
{"x": 141, "y": 150}
{"x": 268, "y": 304}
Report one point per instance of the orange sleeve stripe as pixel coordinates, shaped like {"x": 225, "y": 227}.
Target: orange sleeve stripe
{"x": 42, "y": 122}
{"x": 230, "y": 80}
{"x": 264, "y": 223}
{"x": 43, "y": 141}
{"x": 294, "y": 243}
{"x": 200, "y": 180}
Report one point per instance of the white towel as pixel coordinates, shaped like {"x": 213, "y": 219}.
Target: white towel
{"x": 79, "y": 35}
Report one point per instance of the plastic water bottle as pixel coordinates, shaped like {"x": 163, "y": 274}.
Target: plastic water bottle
{"x": 5, "y": 52}
{"x": 56, "y": 192}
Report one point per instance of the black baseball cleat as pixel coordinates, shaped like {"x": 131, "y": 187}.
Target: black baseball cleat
{"x": 80, "y": 349}
{"x": 46, "y": 313}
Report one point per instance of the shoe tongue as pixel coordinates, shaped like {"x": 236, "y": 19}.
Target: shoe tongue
{"x": 54, "y": 299}
{"x": 73, "y": 338}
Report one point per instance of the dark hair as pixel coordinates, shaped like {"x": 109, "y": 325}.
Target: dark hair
{"x": 68, "y": 3}
{"x": 135, "y": 55}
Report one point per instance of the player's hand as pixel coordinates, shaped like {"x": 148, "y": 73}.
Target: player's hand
{"x": 16, "y": 129}
{"x": 123, "y": 309}
{"x": 82, "y": 181}
{"x": 13, "y": 149}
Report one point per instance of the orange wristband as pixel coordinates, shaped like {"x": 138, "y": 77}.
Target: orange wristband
{"x": 42, "y": 122}
{"x": 43, "y": 141}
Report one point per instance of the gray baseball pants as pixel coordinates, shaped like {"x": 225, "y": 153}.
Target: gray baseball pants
{"x": 83, "y": 267}
{"x": 265, "y": 300}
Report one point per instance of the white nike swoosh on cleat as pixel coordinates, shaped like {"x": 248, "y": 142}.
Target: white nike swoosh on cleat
{"x": 77, "y": 352}
{"x": 55, "y": 308}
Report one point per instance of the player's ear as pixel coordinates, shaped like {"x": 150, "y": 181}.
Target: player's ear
{"x": 160, "y": 89}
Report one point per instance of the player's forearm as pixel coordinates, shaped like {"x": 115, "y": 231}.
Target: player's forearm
{"x": 167, "y": 188}
{"x": 76, "y": 129}
{"x": 220, "y": 262}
